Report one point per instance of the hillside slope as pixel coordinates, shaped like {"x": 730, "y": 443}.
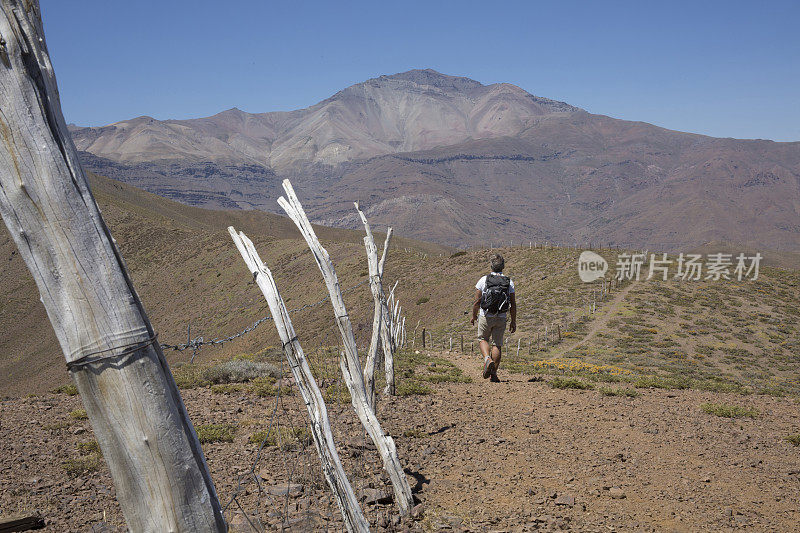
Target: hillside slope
{"x": 187, "y": 272}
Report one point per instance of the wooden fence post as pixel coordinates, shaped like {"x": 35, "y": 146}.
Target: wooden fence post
{"x": 349, "y": 363}
{"x": 161, "y": 478}
{"x": 423, "y": 337}
{"x": 380, "y": 329}
{"x": 315, "y": 403}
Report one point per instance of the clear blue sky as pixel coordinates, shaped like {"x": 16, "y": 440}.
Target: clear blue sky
{"x": 729, "y": 69}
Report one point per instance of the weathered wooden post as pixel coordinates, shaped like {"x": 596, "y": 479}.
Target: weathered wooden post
{"x": 315, "y": 403}
{"x": 386, "y": 341}
{"x": 160, "y": 475}
{"x": 375, "y": 287}
{"x": 423, "y": 337}
{"x": 349, "y": 362}
{"x": 462, "y": 343}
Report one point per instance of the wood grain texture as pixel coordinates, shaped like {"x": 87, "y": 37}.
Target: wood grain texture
{"x": 349, "y": 363}
{"x": 161, "y": 478}
{"x": 375, "y": 284}
{"x": 315, "y": 404}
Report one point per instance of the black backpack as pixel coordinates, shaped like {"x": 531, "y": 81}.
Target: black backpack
{"x": 495, "y": 297}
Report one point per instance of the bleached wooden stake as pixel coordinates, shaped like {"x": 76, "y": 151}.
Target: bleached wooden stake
{"x": 161, "y": 478}
{"x": 315, "y": 404}
{"x": 376, "y": 286}
{"x": 386, "y": 340}
{"x": 349, "y": 363}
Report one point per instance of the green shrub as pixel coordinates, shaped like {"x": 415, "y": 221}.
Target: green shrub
{"x": 82, "y": 465}
{"x": 69, "y": 390}
{"x": 619, "y": 391}
{"x": 188, "y": 376}
{"x": 87, "y": 448}
{"x": 728, "y": 411}
{"x": 570, "y": 383}
{"x": 286, "y": 436}
{"x": 266, "y": 387}
{"x": 423, "y": 300}
{"x": 458, "y": 254}
{"x": 416, "y": 433}
{"x": 78, "y": 414}
{"x": 216, "y": 433}
{"x": 411, "y": 388}
{"x": 794, "y": 439}
{"x": 337, "y": 394}
{"x": 227, "y": 388}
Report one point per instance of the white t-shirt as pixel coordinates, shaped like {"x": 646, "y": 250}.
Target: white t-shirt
{"x": 481, "y": 286}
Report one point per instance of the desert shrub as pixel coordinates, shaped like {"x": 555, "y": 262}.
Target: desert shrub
{"x": 69, "y": 390}
{"x": 570, "y": 383}
{"x": 265, "y": 386}
{"x": 87, "y": 448}
{"x": 661, "y": 382}
{"x": 188, "y": 376}
{"x": 286, "y": 436}
{"x": 216, "y": 433}
{"x": 239, "y": 371}
{"x": 423, "y": 300}
{"x": 227, "y": 388}
{"x": 336, "y": 394}
{"x": 82, "y": 465}
{"x": 794, "y": 439}
{"x": 728, "y": 411}
{"x": 619, "y": 391}
{"x": 78, "y": 414}
{"x": 411, "y": 388}
{"x": 458, "y": 254}
{"x": 416, "y": 433}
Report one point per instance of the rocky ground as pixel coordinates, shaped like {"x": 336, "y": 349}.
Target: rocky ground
{"x": 512, "y": 456}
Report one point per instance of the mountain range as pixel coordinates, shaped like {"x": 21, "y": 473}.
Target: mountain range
{"x": 450, "y": 160}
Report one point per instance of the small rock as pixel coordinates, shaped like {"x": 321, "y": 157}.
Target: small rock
{"x": 375, "y": 496}
{"x": 78, "y": 431}
{"x": 565, "y": 499}
{"x": 616, "y": 493}
{"x": 418, "y": 511}
{"x": 292, "y": 489}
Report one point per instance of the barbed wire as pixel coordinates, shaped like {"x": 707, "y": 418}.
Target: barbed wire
{"x": 196, "y": 343}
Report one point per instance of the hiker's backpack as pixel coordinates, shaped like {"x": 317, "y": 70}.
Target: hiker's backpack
{"x": 495, "y": 297}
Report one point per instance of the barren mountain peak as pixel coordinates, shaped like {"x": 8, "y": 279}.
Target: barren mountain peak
{"x": 432, "y": 77}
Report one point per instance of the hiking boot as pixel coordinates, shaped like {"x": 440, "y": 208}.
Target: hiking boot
{"x": 488, "y": 367}
{"x": 494, "y": 378}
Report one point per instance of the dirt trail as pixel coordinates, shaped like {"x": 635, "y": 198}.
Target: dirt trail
{"x": 522, "y": 455}
{"x": 510, "y": 456}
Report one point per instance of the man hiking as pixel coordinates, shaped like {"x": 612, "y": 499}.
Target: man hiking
{"x": 494, "y": 297}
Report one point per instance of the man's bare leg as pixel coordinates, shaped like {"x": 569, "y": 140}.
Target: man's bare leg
{"x": 484, "y": 346}
{"x": 496, "y": 357}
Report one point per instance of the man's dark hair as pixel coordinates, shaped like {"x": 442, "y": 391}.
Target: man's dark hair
{"x": 498, "y": 263}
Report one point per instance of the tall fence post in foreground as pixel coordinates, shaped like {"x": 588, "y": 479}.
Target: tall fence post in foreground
{"x": 349, "y": 363}
{"x": 312, "y": 397}
{"x": 161, "y": 478}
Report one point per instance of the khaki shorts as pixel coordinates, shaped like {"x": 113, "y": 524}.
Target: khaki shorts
{"x": 491, "y": 329}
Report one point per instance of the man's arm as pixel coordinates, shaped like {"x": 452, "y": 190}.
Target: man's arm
{"x": 476, "y": 306}
{"x": 512, "y": 327}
